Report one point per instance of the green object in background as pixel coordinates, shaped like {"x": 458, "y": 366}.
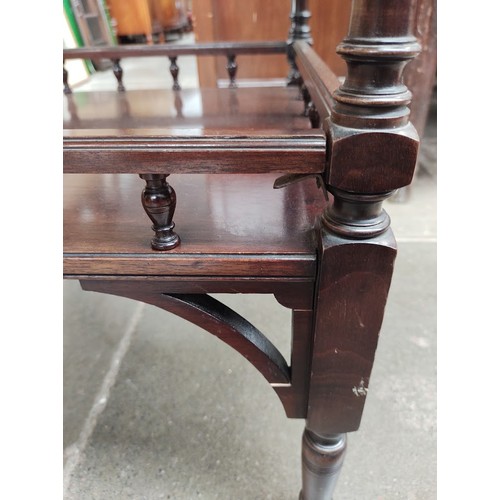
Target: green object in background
{"x": 108, "y": 21}
{"x": 75, "y": 30}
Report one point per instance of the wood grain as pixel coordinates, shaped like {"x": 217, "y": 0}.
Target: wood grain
{"x": 106, "y": 231}
{"x": 170, "y": 49}
{"x": 142, "y": 132}
{"x": 264, "y": 20}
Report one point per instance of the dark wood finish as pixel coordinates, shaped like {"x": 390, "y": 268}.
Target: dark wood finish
{"x": 354, "y": 279}
{"x": 241, "y": 112}
{"x": 172, "y": 50}
{"x": 174, "y": 71}
{"x": 317, "y": 78}
{"x": 299, "y": 16}
{"x": 67, "y": 89}
{"x": 221, "y": 321}
{"x": 288, "y": 153}
{"x": 299, "y": 30}
{"x": 223, "y": 126}
{"x": 106, "y": 233}
{"x": 329, "y": 260}
{"x": 231, "y": 67}
{"x": 295, "y": 293}
{"x": 159, "y": 201}
{"x": 228, "y": 49}
{"x": 372, "y": 151}
{"x": 322, "y": 460}
{"x": 118, "y": 72}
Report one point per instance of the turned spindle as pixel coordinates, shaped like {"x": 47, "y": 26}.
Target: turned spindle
{"x": 118, "y": 72}
{"x": 67, "y": 89}
{"x": 174, "y": 71}
{"x": 232, "y": 67}
{"x": 159, "y": 201}
{"x": 309, "y": 107}
{"x": 306, "y": 97}
{"x": 313, "y": 115}
{"x": 299, "y": 30}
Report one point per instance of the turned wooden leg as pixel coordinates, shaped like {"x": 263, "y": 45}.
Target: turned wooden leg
{"x": 159, "y": 200}
{"x": 322, "y": 459}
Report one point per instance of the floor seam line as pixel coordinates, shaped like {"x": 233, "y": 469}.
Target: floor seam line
{"x": 75, "y": 450}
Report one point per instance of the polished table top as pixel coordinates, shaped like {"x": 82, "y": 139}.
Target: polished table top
{"x": 186, "y": 112}
{"x": 239, "y": 223}
{"x": 243, "y": 130}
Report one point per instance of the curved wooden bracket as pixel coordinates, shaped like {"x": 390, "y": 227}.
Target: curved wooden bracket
{"x": 221, "y": 321}
{"x": 217, "y": 319}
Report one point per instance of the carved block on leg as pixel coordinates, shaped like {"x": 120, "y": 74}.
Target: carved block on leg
{"x": 322, "y": 459}
{"x": 159, "y": 200}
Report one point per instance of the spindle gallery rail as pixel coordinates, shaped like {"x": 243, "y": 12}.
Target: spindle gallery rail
{"x": 228, "y": 49}
{"x": 329, "y": 261}
{"x": 298, "y": 153}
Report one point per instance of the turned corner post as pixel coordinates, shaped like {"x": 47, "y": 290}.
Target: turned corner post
{"x": 159, "y": 201}
{"x": 299, "y": 30}
{"x": 372, "y": 152}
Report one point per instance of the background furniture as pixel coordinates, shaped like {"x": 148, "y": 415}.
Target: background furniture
{"x": 329, "y": 260}
{"x": 257, "y": 20}
{"x": 152, "y": 19}
{"x": 263, "y": 20}
{"x": 93, "y": 26}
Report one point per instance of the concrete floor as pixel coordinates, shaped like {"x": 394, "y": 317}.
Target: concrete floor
{"x": 155, "y": 408}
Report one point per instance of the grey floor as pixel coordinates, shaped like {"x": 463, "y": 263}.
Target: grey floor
{"x": 154, "y": 408}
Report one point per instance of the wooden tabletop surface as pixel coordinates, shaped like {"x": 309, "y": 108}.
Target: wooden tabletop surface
{"x": 239, "y": 223}
{"x": 242, "y": 130}
{"x": 194, "y": 110}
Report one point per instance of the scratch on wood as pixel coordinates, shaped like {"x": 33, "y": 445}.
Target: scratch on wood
{"x": 361, "y": 390}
